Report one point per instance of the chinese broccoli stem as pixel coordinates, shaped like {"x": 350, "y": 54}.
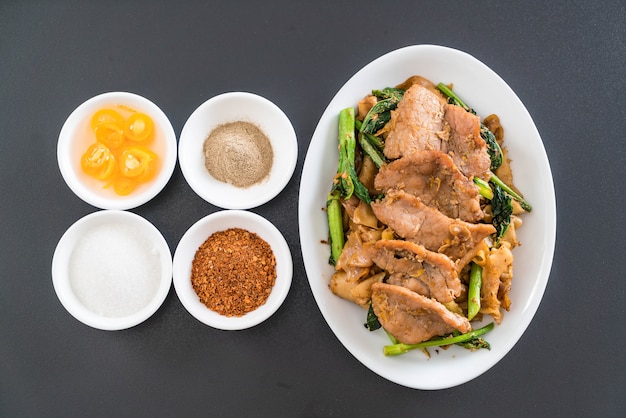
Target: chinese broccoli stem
{"x": 454, "y": 98}
{"x": 525, "y": 205}
{"x": 393, "y": 339}
{"x": 371, "y": 145}
{"x": 483, "y": 188}
{"x": 473, "y": 291}
{"x": 335, "y": 226}
{"x": 401, "y": 348}
{"x": 373, "y": 139}
{"x": 370, "y": 150}
{"x": 347, "y": 179}
{"x": 347, "y": 144}
{"x": 346, "y": 133}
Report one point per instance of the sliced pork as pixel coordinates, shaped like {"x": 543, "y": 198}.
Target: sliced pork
{"x": 414, "y": 221}
{"x": 416, "y": 123}
{"x": 412, "y": 318}
{"x": 411, "y": 265}
{"x": 435, "y": 179}
{"x": 465, "y": 145}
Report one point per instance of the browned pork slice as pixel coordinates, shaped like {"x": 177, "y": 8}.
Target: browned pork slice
{"x": 412, "y": 318}
{"x": 465, "y": 145}
{"x": 417, "y": 123}
{"x": 414, "y": 267}
{"x": 411, "y": 283}
{"x": 414, "y": 221}
{"x": 435, "y": 179}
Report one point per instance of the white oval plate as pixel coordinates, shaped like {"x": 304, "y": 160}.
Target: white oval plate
{"x": 487, "y": 93}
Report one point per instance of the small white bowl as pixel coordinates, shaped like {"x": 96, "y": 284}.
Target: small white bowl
{"x": 198, "y": 234}
{"x": 233, "y": 107}
{"x": 66, "y": 288}
{"x": 75, "y": 137}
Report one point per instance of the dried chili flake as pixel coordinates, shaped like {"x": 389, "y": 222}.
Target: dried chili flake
{"x": 233, "y": 272}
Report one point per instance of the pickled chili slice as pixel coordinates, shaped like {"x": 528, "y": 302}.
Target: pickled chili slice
{"x": 122, "y": 185}
{"x": 137, "y": 162}
{"x": 138, "y": 127}
{"x": 109, "y": 134}
{"x": 116, "y": 156}
{"x": 106, "y": 116}
{"x": 98, "y": 161}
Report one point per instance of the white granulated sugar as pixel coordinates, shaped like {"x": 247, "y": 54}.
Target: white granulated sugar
{"x": 114, "y": 270}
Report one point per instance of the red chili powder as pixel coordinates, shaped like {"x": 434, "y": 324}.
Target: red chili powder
{"x": 233, "y": 272}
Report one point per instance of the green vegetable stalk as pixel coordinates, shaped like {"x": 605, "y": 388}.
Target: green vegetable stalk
{"x": 372, "y": 139}
{"x": 371, "y": 145}
{"x": 453, "y": 98}
{"x": 335, "y": 226}
{"x": 401, "y": 348}
{"x": 374, "y": 154}
{"x": 483, "y": 188}
{"x": 347, "y": 146}
{"x": 346, "y": 183}
{"x": 523, "y": 203}
{"x": 347, "y": 180}
{"x": 473, "y": 291}
{"x": 473, "y": 344}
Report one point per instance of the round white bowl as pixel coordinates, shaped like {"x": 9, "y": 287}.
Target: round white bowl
{"x": 198, "y": 234}
{"x": 233, "y": 107}
{"x": 73, "y": 142}
{"x": 61, "y": 268}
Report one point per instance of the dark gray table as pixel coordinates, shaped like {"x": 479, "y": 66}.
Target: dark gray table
{"x": 566, "y": 62}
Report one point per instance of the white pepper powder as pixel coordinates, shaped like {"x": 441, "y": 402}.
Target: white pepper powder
{"x": 238, "y": 153}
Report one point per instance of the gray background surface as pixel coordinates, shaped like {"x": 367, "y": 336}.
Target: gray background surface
{"x": 567, "y": 63}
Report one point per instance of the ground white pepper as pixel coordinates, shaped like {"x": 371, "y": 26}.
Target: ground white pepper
{"x": 238, "y": 153}
{"x": 233, "y": 272}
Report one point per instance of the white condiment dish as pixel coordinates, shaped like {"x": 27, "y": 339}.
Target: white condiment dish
{"x": 197, "y": 234}
{"x": 148, "y": 294}
{"x": 228, "y": 108}
{"x": 76, "y": 136}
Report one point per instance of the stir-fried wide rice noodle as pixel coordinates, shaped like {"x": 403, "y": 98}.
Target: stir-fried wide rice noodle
{"x": 367, "y": 175}
{"x": 363, "y": 215}
{"x": 418, "y": 125}
{"x": 354, "y": 269}
{"x": 497, "y": 271}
